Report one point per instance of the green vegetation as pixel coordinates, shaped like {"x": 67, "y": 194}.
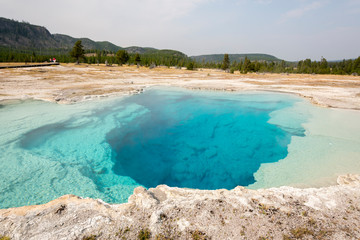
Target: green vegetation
{"x": 77, "y": 51}
{"x": 91, "y": 237}
{"x": 123, "y": 232}
{"x": 23, "y": 35}
{"x": 162, "y": 57}
{"x": 137, "y": 58}
{"x": 24, "y": 42}
{"x": 246, "y": 65}
{"x": 4, "y": 238}
{"x": 122, "y": 57}
{"x": 216, "y": 58}
{"x": 144, "y": 234}
{"x": 299, "y": 233}
{"x": 190, "y": 66}
{"x": 226, "y": 62}
{"x": 198, "y": 235}
{"x": 67, "y": 41}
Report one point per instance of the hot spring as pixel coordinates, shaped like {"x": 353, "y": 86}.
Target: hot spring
{"x": 181, "y": 138}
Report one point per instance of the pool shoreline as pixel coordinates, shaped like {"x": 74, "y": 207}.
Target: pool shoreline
{"x": 71, "y": 83}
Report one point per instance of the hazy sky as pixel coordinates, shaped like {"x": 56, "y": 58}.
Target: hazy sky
{"x": 288, "y": 29}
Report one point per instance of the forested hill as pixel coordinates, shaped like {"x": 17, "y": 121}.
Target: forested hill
{"x": 68, "y": 42}
{"x": 25, "y": 36}
{"x": 217, "y": 58}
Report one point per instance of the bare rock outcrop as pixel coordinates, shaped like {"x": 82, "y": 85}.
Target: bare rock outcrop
{"x": 175, "y": 213}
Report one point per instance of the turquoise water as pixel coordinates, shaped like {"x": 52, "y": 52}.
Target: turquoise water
{"x": 104, "y": 149}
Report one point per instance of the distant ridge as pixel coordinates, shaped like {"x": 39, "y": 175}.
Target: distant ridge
{"x": 68, "y": 42}
{"x": 25, "y": 36}
{"x": 16, "y": 34}
{"x": 216, "y": 58}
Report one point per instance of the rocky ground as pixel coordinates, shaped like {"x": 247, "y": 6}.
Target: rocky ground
{"x": 174, "y": 213}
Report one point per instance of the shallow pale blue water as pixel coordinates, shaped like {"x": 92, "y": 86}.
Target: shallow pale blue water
{"x": 104, "y": 149}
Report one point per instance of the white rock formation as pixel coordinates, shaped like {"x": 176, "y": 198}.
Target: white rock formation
{"x": 174, "y": 213}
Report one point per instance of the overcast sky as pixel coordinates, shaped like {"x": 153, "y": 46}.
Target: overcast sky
{"x": 288, "y": 29}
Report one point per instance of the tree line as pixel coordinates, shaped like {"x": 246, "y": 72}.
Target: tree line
{"x": 168, "y": 58}
{"x": 307, "y": 66}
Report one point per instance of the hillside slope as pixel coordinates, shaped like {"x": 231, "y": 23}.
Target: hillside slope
{"x": 216, "y": 58}
{"x": 66, "y": 41}
{"x": 25, "y": 36}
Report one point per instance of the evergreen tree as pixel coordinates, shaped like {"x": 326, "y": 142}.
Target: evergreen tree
{"x": 226, "y": 62}
{"x": 356, "y": 66}
{"x": 137, "y": 58}
{"x": 122, "y": 57}
{"x": 323, "y": 67}
{"x": 348, "y": 66}
{"x": 77, "y": 51}
{"x": 240, "y": 66}
{"x": 304, "y": 66}
{"x": 246, "y": 66}
{"x": 190, "y": 66}
{"x": 257, "y": 66}
{"x": 323, "y": 63}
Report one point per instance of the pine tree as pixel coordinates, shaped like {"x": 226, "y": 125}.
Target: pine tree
{"x": 190, "y": 66}
{"x": 137, "y": 58}
{"x": 324, "y": 67}
{"x": 77, "y": 51}
{"x": 356, "y": 66}
{"x": 226, "y": 62}
{"x": 246, "y": 66}
{"x": 122, "y": 57}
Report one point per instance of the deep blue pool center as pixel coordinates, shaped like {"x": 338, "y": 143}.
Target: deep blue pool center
{"x": 199, "y": 140}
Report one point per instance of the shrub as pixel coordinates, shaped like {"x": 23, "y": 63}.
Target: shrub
{"x": 144, "y": 234}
